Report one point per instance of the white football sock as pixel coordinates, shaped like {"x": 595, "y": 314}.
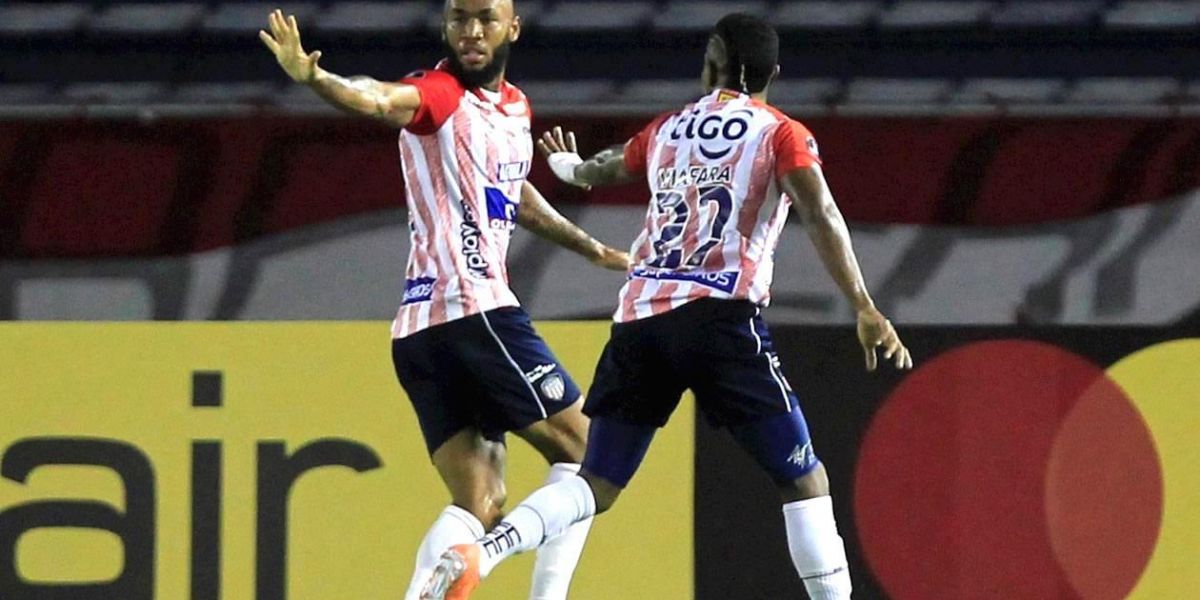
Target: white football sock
{"x": 544, "y": 515}
{"x": 558, "y": 557}
{"x": 454, "y": 526}
{"x": 817, "y": 550}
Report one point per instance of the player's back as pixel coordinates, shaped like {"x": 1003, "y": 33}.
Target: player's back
{"x": 716, "y": 211}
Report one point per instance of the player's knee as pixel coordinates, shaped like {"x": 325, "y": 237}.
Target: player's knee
{"x": 486, "y": 502}
{"x": 488, "y": 514}
{"x": 605, "y": 492}
{"x": 488, "y": 509}
{"x": 812, "y": 485}
{"x": 499, "y": 498}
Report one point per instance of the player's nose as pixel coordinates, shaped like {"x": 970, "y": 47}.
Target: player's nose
{"x": 474, "y": 29}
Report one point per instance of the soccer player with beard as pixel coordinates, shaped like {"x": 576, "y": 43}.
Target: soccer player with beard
{"x": 724, "y": 172}
{"x": 464, "y": 350}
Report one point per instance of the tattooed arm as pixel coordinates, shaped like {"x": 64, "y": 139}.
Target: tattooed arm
{"x": 393, "y": 103}
{"x": 538, "y": 216}
{"x": 605, "y": 168}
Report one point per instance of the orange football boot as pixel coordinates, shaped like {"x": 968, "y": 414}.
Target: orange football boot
{"x": 456, "y": 575}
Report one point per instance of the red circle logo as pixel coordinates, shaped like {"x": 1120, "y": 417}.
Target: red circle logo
{"x": 1008, "y": 469}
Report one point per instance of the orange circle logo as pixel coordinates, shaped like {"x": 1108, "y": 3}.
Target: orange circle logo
{"x": 1017, "y": 469}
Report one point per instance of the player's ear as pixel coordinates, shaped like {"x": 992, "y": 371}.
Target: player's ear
{"x": 774, "y": 75}
{"x": 514, "y": 30}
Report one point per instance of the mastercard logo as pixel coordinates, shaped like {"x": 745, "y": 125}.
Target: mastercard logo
{"x": 1016, "y": 469}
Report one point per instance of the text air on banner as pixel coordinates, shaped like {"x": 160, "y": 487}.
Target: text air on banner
{"x": 264, "y": 461}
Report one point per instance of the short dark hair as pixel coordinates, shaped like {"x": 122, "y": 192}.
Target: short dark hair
{"x": 752, "y": 44}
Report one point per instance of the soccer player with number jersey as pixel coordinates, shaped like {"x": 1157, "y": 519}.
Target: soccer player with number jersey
{"x": 724, "y": 174}
{"x": 464, "y": 350}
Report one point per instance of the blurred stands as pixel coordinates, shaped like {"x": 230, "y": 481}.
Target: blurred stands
{"x": 625, "y": 56}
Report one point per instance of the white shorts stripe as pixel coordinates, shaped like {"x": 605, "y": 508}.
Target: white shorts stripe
{"x": 757, "y": 339}
{"x": 517, "y": 367}
{"x": 779, "y": 380}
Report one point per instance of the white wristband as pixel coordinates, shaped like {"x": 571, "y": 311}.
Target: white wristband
{"x": 563, "y": 164}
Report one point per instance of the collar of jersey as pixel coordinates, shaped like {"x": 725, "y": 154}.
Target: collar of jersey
{"x": 726, "y": 94}
{"x": 510, "y": 97}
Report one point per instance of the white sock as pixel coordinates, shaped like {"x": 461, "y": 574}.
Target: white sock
{"x": 817, "y": 550}
{"x": 453, "y": 526}
{"x": 558, "y": 557}
{"x": 544, "y": 515}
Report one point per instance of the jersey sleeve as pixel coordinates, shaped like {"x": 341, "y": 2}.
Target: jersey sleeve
{"x": 638, "y": 147}
{"x": 795, "y": 148}
{"x": 440, "y": 96}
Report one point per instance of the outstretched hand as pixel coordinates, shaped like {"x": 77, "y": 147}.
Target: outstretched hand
{"x": 563, "y": 156}
{"x": 555, "y": 141}
{"x": 284, "y": 43}
{"x": 875, "y": 331}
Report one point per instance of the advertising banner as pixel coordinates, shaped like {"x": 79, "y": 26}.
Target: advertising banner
{"x": 267, "y": 461}
{"x": 1048, "y": 463}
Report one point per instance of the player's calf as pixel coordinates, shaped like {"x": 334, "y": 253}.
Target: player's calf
{"x": 472, "y": 467}
{"x": 782, "y": 447}
{"x": 545, "y": 515}
{"x": 558, "y": 557}
{"x": 817, "y": 550}
{"x": 615, "y": 451}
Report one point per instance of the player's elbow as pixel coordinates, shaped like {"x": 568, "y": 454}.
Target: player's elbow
{"x": 810, "y": 216}
{"x": 397, "y": 118}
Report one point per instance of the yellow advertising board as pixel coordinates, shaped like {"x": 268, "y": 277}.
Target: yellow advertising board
{"x": 269, "y": 461}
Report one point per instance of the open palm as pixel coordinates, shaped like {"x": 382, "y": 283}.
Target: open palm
{"x": 284, "y": 42}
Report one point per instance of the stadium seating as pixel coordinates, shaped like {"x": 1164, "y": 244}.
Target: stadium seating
{"x": 919, "y": 55}
{"x": 1043, "y": 14}
{"x": 934, "y": 15}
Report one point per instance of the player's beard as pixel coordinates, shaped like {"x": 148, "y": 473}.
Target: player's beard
{"x": 472, "y": 79}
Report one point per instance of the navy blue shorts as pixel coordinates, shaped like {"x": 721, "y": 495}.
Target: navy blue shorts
{"x": 490, "y": 371}
{"x": 719, "y": 349}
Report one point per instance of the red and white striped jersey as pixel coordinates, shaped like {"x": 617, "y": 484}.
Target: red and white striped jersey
{"x": 465, "y": 156}
{"x": 716, "y": 211}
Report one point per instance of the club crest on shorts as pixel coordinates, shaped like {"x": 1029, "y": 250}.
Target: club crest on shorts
{"x": 553, "y": 387}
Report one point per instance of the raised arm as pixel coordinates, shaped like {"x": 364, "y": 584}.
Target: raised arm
{"x": 392, "y": 103}
{"x": 827, "y": 229}
{"x": 605, "y": 168}
{"x": 538, "y": 216}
